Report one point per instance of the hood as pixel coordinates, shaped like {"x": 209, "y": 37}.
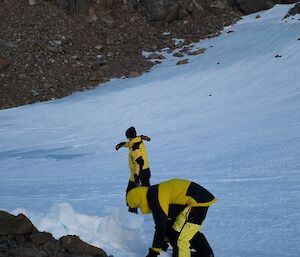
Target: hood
{"x": 137, "y": 198}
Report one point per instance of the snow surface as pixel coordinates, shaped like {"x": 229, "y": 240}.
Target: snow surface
{"x": 59, "y": 166}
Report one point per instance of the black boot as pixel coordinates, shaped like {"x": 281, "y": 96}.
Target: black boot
{"x": 201, "y": 246}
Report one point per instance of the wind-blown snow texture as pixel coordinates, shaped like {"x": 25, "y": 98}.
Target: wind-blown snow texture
{"x": 57, "y": 158}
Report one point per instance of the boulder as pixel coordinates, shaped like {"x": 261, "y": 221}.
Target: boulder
{"x": 19, "y": 238}
{"x": 156, "y": 56}
{"x": 198, "y": 51}
{"x": 285, "y": 1}
{"x": 74, "y": 245}
{"x": 76, "y": 7}
{"x": 217, "y": 6}
{"x": 178, "y": 55}
{"x": 32, "y": 2}
{"x": 251, "y": 6}
{"x": 184, "y": 61}
{"x": 158, "y": 10}
{"x": 4, "y": 63}
{"x": 40, "y": 238}
{"x": 169, "y": 10}
{"x": 15, "y": 225}
{"x": 295, "y": 10}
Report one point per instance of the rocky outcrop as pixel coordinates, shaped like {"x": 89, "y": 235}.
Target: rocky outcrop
{"x": 52, "y": 48}
{"x": 75, "y": 246}
{"x": 58, "y": 47}
{"x": 251, "y": 6}
{"x": 167, "y": 11}
{"x": 295, "y": 10}
{"x": 15, "y": 225}
{"x": 19, "y": 238}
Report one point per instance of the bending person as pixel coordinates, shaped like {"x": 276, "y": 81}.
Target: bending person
{"x": 161, "y": 199}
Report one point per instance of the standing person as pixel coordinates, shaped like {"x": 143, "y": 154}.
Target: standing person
{"x": 161, "y": 200}
{"x": 137, "y": 159}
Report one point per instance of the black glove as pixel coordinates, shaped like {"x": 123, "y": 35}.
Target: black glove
{"x": 146, "y": 138}
{"x": 118, "y": 146}
{"x": 137, "y": 179}
{"x": 152, "y": 253}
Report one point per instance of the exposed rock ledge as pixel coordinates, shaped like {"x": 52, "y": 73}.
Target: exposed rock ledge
{"x": 52, "y": 48}
{"x": 20, "y": 238}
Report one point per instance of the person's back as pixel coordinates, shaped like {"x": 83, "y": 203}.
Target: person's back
{"x": 137, "y": 160}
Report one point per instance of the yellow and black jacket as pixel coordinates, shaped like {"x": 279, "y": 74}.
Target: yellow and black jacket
{"x": 137, "y": 156}
{"x": 165, "y": 197}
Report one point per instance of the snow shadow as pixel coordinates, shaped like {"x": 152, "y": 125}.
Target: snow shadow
{"x": 54, "y": 154}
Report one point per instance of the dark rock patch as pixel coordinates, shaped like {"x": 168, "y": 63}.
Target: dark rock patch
{"x": 58, "y": 47}
{"x": 19, "y": 238}
{"x": 252, "y": 6}
{"x": 53, "y": 48}
{"x": 294, "y": 11}
{"x": 181, "y": 62}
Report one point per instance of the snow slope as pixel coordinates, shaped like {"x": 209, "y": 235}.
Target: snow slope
{"x": 59, "y": 166}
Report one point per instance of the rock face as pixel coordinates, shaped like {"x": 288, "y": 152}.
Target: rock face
{"x": 19, "y": 238}
{"x": 53, "y": 48}
{"x": 295, "y": 10}
{"x": 169, "y": 10}
{"x": 78, "y": 7}
{"x": 251, "y": 6}
{"x": 75, "y": 246}
{"x": 15, "y": 225}
{"x": 57, "y": 47}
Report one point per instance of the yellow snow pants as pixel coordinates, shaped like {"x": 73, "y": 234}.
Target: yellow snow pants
{"x": 186, "y": 230}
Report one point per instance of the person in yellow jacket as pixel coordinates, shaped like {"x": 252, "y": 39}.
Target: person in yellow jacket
{"x": 137, "y": 159}
{"x": 161, "y": 199}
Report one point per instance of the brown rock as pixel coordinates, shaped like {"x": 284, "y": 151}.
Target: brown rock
{"x": 25, "y": 252}
{"x": 134, "y": 74}
{"x": 178, "y": 55}
{"x": 186, "y": 49}
{"x": 156, "y": 56}
{"x": 74, "y": 245}
{"x": 15, "y": 225}
{"x": 295, "y": 10}
{"x": 198, "y": 51}
{"x": 32, "y": 2}
{"x": 251, "y": 6}
{"x": 55, "y": 49}
{"x": 185, "y": 61}
{"x": 40, "y": 238}
{"x": 4, "y": 63}
{"x": 69, "y": 65}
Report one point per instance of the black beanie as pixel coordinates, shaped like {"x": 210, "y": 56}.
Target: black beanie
{"x": 131, "y": 132}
